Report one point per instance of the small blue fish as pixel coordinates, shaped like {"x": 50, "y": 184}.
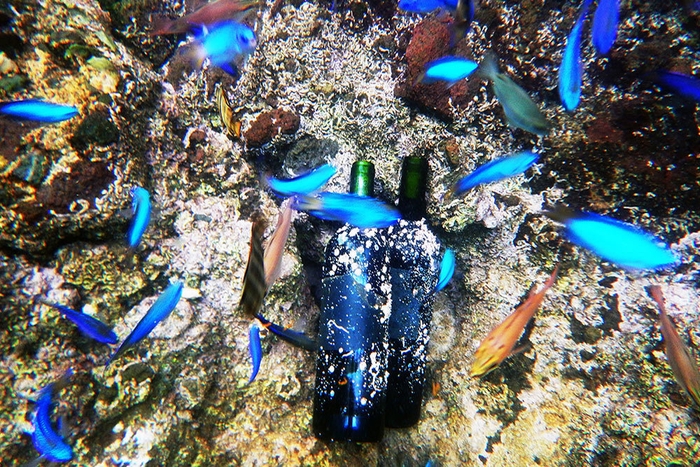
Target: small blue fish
{"x": 160, "y": 310}
{"x": 605, "y": 21}
{"x": 361, "y": 211}
{"x": 304, "y": 184}
{"x": 296, "y": 338}
{"x": 613, "y": 240}
{"x": 521, "y": 111}
{"x": 38, "y": 111}
{"x": 49, "y": 443}
{"x": 450, "y": 69}
{"x": 141, "y": 207}
{"x": 223, "y": 43}
{"x": 571, "y": 70}
{"x": 91, "y": 327}
{"x": 685, "y": 85}
{"x": 426, "y": 6}
{"x": 494, "y": 171}
{"x": 255, "y": 350}
{"x": 447, "y": 269}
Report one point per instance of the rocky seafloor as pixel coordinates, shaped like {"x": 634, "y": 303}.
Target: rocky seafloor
{"x": 334, "y": 85}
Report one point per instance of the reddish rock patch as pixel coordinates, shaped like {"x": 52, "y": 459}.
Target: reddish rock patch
{"x": 270, "y": 124}
{"x": 431, "y": 40}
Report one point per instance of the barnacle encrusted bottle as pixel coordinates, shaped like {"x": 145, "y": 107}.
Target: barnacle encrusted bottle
{"x": 351, "y": 367}
{"x": 414, "y": 258}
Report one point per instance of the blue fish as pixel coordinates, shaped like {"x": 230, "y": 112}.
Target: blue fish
{"x": 605, "y": 21}
{"x": 38, "y": 111}
{"x": 160, "y": 310}
{"x": 304, "y": 184}
{"x": 447, "y": 269}
{"x": 296, "y": 338}
{"x": 450, "y": 69}
{"x": 571, "y": 70}
{"x": 494, "y": 171}
{"x": 255, "y": 350}
{"x": 91, "y": 327}
{"x": 426, "y": 6}
{"x": 47, "y": 441}
{"x": 223, "y": 43}
{"x": 141, "y": 207}
{"x": 361, "y": 211}
{"x": 613, "y": 240}
{"x": 685, "y": 85}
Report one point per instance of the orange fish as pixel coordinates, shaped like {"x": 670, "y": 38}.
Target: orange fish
{"x": 275, "y": 246}
{"x": 499, "y": 344}
{"x": 208, "y": 14}
{"x": 683, "y": 365}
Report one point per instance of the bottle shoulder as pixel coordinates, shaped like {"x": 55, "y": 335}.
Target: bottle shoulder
{"x": 352, "y": 249}
{"x": 412, "y": 243}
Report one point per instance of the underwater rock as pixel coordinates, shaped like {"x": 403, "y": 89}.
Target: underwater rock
{"x": 97, "y": 128}
{"x": 68, "y": 180}
{"x": 592, "y": 386}
{"x": 270, "y": 124}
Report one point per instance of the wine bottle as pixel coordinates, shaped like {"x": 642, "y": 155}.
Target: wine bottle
{"x": 414, "y": 258}
{"x": 351, "y": 366}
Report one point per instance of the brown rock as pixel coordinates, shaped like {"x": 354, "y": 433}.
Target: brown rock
{"x": 270, "y": 124}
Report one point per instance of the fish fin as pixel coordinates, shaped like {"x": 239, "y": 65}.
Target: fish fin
{"x": 34, "y": 463}
{"x": 296, "y": 338}
{"x": 63, "y": 427}
{"x": 230, "y": 69}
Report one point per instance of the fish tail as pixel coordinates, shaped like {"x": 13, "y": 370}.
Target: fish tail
{"x": 162, "y": 26}
{"x": 560, "y": 213}
{"x": 489, "y": 66}
{"x": 552, "y": 278}
{"x": 694, "y": 394}
{"x": 306, "y": 203}
{"x": 447, "y": 197}
{"x": 658, "y": 297}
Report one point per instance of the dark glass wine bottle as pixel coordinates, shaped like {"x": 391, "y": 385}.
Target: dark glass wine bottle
{"x": 414, "y": 258}
{"x": 351, "y": 367}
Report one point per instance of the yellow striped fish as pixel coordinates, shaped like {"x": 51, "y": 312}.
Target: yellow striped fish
{"x": 254, "y": 286}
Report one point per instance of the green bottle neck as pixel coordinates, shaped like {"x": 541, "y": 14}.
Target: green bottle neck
{"x": 414, "y": 184}
{"x": 362, "y": 178}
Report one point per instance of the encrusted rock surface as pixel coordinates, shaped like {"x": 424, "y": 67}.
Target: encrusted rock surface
{"x": 592, "y": 385}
